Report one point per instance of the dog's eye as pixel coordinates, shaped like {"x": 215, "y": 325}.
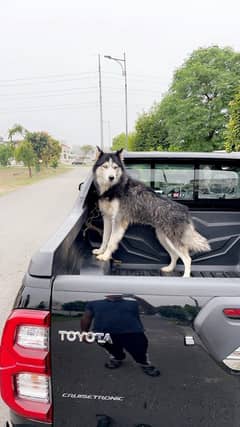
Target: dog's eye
{"x": 115, "y": 167}
{"x": 105, "y": 166}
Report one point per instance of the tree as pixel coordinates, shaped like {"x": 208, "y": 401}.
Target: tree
{"x": 87, "y": 149}
{"x": 44, "y": 146}
{"x": 25, "y": 153}
{"x": 196, "y": 107}
{"x": 119, "y": 141}
{"x": 6, "y": 153}
{"x": 151, "y": 132}
{"x": 39, "y": 141}
{"x": 194, "y": 112}
{"x": 232, "y": 134}
{"x": 132, "y": 141}
{"x": 16, "y": 129}
{"x": 51, "y": 152}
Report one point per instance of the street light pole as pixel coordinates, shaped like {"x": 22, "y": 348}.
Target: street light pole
{"x": 123, "y": 64}
{"x": 100, "y": 102}
{"x": 126, "y": 99}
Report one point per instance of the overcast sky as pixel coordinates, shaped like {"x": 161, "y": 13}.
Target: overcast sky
{"x": 49, "y": 63}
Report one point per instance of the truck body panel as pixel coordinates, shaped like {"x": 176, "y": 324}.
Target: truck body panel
{"x": 195, "y": 387}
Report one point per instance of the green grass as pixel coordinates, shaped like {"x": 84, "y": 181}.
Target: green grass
{"x": 13, "y": 177}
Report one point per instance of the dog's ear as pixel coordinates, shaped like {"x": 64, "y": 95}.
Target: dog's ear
{"x": 119, "y": 153}
{"x": 99, "y": 153}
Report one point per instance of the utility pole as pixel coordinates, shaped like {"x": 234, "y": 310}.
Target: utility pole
{"x": 123, "y": 64}
{"x": 100, "y": 102}
{"x": 126, "y": 98}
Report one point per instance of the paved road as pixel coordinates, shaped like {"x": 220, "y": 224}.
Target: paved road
{"x": 28, "y": 217}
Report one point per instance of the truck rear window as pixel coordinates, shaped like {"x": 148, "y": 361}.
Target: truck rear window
{"x": 189, "y": 181}
{"x": 218, "y": 182}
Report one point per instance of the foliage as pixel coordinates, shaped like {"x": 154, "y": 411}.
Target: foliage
{"x": 25, "y": 153}
{"x": 194, "y": 112}
{"x": 16, "y": 129}
{"x": 45, "y": 147}
{"x": 54, "y": 164}
{"x": 51, "y": 152}
{"x": 39, "y": 141}
{"x": 119, "y": 141}
{"x": 6, "y": 153}
{"x": 151, "y": 131}
{"x": 132, "y": 141}
{"x": 36, "y": 148}
{"x": 87, "y": 149}
{"x": 186, "y": 313}
{"x": 232, "y": 134}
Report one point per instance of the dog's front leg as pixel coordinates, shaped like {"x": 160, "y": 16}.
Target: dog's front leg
{"x": 107, "y": 229}
{"x": 118, "y": 230}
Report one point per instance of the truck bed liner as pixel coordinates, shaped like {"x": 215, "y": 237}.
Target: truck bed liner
{"x": 207, "y": 274}
{"x": 90, "y": 265}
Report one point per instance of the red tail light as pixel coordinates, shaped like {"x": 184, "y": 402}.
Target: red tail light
{"x": 25, "y": 364}
{"x": 232, "y": 313}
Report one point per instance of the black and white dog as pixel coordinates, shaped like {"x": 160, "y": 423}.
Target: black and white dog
{"x": 123, "y": 201}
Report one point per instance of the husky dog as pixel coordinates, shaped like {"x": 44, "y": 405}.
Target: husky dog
{"x": 124, "y": 201}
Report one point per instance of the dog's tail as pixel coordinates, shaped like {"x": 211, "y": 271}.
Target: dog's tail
{"x": 195, "y": 241}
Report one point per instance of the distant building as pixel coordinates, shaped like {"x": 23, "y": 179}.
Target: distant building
{"x": 66, "y": 154}
{"x": 2, "y": 140}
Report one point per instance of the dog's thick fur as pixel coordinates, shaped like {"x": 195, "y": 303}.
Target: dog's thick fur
{"x": 123, "y": 201}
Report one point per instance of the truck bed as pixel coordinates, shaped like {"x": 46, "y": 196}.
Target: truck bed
{"x": 200, "y": 274}
{"x": 91, "y": 266}
{"x": 140, "y": 254}
{"x": 69, "y": 252}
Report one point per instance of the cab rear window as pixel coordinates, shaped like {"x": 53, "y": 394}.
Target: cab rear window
{"x": 199, "y": 181}
{"x": 218, "y": 182}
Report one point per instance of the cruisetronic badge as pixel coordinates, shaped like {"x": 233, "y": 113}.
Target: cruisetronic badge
{"x": 89, "y": 337}
{"x": 92, "y": 397}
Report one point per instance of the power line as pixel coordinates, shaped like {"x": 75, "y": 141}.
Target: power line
{"x": 23, "y": 81}
{"x": 23, "y": 108}
{"x": 48, "y": 108}
{"x": 76, "y": 90}
{"x": 137, "y": 75}
{"x": 49, "y": 76}
{"x": 46, "y": 82}
{"x": 134, "y": 89}
{"x": 55, "y": 107}
{"x": 148, "y": 76}
{"x": 43, "y": 94}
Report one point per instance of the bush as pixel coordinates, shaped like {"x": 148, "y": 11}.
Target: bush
{"x": 54, "y": 164}
{"x": 5, "y": 154}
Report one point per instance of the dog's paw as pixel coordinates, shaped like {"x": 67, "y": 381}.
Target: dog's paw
{"x": 103, "y": 257}
{"x": 186, "y": 275}
{"x": 97, "y": 251}
{"x": 167, "y": 269}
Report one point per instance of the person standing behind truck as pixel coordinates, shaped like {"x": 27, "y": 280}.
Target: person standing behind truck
{"x": 120, "y": 318}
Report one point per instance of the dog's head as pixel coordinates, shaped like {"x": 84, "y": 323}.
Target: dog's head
{"x": 108, "y": 169}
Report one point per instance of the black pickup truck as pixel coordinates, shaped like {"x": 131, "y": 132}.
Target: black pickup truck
{"x": 59, "y": 363}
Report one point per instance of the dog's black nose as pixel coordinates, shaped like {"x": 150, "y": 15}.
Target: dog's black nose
{"x": 111, "y": 178}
